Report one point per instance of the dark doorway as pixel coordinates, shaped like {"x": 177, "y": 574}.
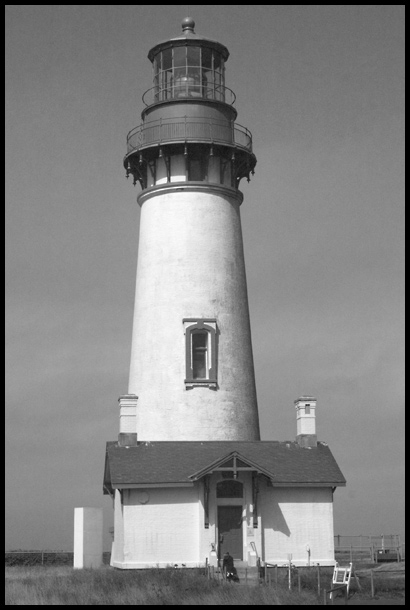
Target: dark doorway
{"x": 230, "y": 531}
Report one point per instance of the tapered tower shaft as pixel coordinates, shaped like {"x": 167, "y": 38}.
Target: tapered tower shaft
{"x": 191, "y": 361}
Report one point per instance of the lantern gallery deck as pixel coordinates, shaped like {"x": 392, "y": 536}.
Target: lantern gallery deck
{"x": 196, "y": 129}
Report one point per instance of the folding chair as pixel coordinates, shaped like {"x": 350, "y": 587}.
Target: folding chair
{"x": 341, "y": 576}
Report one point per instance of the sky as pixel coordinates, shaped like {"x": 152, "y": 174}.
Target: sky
{"x": 321, "y": 88}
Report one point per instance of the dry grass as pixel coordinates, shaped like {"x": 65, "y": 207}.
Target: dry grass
{"x": 62, "y": 585}
{"x": 107, "y": 586}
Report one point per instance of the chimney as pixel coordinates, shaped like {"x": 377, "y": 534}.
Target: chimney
{"x": 306, "y": 421}
{"x": 128, "y": 420}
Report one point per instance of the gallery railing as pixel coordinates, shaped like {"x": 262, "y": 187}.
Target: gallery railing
{"x": 193, "y": 129}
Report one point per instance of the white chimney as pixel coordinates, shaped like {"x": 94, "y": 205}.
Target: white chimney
{"x": 306, "y": 421}
{"x": 128, "y": 420}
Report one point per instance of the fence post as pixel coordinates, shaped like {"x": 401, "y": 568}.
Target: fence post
{"x": 372, "y": 583}
{"x": 290, "y": 572}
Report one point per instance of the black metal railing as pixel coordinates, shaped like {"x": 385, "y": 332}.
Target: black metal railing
{"x": 201, "y": 129}
{"x": 188, "y": 90}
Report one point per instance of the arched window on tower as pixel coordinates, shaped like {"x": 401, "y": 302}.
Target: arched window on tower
{"x": 200, "y": 352}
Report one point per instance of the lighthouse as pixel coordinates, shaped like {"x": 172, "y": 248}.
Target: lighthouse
{"x": 189, "y": 477}
{"x": 191, "y": 372}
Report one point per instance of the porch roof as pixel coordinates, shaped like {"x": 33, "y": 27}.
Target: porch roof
{"x": 169, "y": 463}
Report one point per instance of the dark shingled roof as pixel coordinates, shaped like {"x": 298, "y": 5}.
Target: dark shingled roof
{"x": 177, "y": 462}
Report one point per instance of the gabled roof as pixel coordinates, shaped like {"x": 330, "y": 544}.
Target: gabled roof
{"x": 180, "y": 463}
{"x": 233, "y": 461}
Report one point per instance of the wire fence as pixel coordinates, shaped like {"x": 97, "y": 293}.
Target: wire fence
{"x": 44, "y": 558}
{"x": 378, "y": 549}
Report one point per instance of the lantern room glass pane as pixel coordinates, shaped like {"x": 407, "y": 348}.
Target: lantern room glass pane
{"x": 206, "y": 58}
{"x": 218, "y": 61}
{"x": 167, "y": 59}
{"x": 165, "y": 75}
{"x": 194, "y": 56}
{"x": 179, "y": 57}
{"x": 194, "y": 71}
{"x": 199, "y": 355}
{"x": 156, "y": 78}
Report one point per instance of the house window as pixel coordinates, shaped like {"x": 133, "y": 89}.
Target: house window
{"x": 229, "y": 489}
{"x": 200, "y": 352}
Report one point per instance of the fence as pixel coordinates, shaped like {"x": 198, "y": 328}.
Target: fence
{"x": 369, "y": 548}
{"x": 44, "y": 558}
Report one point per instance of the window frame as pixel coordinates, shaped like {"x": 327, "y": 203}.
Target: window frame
{"x": 193, "y": 326}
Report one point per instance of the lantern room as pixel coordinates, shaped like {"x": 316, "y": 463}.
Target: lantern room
{"x": 188, "y": 66}
{"x": 188, "y": 131}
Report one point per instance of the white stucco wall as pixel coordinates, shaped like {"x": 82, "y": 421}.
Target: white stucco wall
{"x": 161, "y": 527}
{"x": 117, "y": 547}
{"x": 294, "y": 518}
{"x": 165, "y": 526}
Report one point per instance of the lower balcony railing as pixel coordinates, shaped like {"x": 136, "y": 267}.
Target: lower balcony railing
{"x": 188, "y": 129}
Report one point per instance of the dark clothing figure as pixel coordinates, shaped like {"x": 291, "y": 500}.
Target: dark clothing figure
{"x": 228, "y": 567}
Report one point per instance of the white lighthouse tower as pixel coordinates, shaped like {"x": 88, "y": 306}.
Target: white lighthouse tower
{"x": 191, "y": 373}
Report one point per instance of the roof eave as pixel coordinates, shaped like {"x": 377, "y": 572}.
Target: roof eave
{"x": 152, "y": 485}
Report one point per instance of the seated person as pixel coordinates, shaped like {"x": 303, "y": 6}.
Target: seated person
{"x": 228, "y": 567}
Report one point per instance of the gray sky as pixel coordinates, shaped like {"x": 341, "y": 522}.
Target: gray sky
{"x": 321, "y": 88}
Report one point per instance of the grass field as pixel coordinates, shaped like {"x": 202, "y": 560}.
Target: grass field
{"x": 105, "y": 586}
{"x": 62, "y": 585}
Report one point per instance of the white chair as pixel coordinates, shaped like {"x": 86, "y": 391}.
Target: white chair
{"x": 341, "y": 576}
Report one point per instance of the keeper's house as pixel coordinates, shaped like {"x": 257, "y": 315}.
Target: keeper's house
{"x": 188, "y": 502}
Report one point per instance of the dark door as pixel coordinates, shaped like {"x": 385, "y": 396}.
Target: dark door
{"x": 230, "y": 531}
